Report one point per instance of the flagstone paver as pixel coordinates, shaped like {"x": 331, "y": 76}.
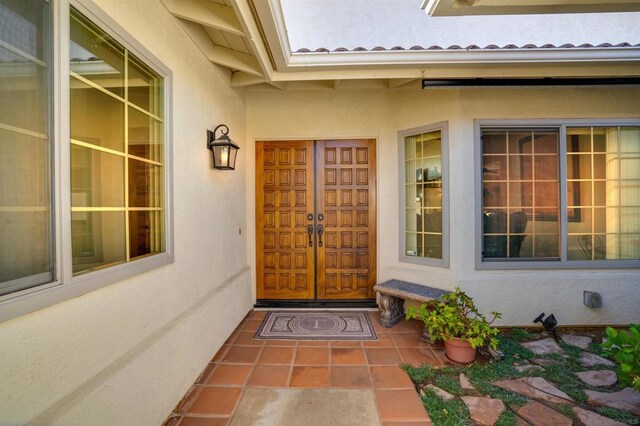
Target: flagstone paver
{"x": 587, "y": 359}
{"x": 484, "y": 411}
{"x": 535, "y": 387}
{"x": 528, "y": 367}
{"x": 440, "y": 392}
{"x": 582, "y": 342}
{"x": 540, "y": 415}
{"x": 590, "y": 418}
{"x": 465, "y": 383}
{"x": 598, "y": 377}
{"x": 543, "y": 347}
{"x": 627, "y": 399}
{"x": 545, "y": 361}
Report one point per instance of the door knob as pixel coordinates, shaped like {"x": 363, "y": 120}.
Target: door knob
{"x": 320, "y": 231}
{"x": 310, "y": 233}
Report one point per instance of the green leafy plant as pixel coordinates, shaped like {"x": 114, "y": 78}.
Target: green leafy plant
{"x": 455, "y": 315}
{"x": 624, "y": 347}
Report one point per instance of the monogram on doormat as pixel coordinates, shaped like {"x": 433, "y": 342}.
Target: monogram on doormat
{"x": 316, "y": 326}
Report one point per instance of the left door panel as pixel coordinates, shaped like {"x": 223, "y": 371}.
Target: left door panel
{"x": 284, "y": 201}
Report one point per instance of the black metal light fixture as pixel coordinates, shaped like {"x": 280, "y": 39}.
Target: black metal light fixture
{"x": 223, "y": 148}
{"x": 549, "y": 323}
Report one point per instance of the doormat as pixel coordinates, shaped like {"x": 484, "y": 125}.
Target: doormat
{"x": 316, "y": 325}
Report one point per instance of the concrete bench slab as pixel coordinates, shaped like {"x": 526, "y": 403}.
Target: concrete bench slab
{"x": 393, "y": 293}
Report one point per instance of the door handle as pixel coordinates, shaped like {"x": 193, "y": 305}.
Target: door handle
{"x": 320, "y": 231}
{"x": 310, "y": 233}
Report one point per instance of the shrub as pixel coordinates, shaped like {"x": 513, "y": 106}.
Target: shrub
{"x": 455, "y": 315}
{"x": 624, "y": 347}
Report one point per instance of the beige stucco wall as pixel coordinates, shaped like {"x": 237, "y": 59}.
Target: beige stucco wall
{"x": 519, "y": 295}
{"x": 127, "y": 353}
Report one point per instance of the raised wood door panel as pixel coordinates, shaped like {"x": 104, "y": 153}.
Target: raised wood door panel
{"x": 346, "y": 193}
{"x": 284, "y": 197}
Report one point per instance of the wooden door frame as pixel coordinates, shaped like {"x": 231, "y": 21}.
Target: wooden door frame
{"x": 310, "y": 302}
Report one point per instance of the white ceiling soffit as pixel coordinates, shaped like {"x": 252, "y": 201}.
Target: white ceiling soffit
{"x": 218, "y": 28}
{"x": 520, "y": 7}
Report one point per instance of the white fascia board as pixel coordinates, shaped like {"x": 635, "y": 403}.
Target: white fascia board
{"x": 462, "y": 56}
{"x": 253, "y": 36}
{"x": 499, "y": 70}
{"x": 521, "y": 7}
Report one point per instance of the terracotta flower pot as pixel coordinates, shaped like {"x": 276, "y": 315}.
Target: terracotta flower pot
{"x": 459, "y": 350}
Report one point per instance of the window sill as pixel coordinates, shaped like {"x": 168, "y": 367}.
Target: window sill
{"x": 53, "y": 293}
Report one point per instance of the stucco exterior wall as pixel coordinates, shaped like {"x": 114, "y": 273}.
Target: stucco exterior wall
{"x": 127, "y": 353}
{"x": 519, "y": 295}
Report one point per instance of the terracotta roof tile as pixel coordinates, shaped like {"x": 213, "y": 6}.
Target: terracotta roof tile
{"x": 470, "y": 47}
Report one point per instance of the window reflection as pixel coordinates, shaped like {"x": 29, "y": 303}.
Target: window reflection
{"x": 423, "y": 205}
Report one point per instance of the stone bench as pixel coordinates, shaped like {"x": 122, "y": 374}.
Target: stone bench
{"x": 393, "y": 293}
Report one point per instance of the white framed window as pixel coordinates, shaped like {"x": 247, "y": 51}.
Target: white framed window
{"x": 558, "y": 194}
{"x": 85, "y": 188}
{"x": 424, "y": 197}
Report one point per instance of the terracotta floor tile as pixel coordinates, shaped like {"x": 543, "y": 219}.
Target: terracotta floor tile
{"x": 270, "y": 375}
{"x": 206, "y": 373}
{"x": 310, "y": 377}
{"x": 392, "y": 377}
{"x": 242, "y": 354}
{"x": 280, "y": 343}
{"x": 230, "y": 374}
{"x": 188, "y": 399}
{"x": 345, "y": 344}
{"x": 384, "y": 340}
{"x": 312, "y": 356}
{"x": 245, "y": 338}
{"x": 382, "y": 356}
{"x": 322, "y": 343}
{"x": 214, "y": 400}
{"x": 350, "y": 377}
{"x": 407, "y": 340}
{"x": 257, "y": 315}
{"x": 273, "y": 355}
{"x": 251, "y": 325}
{"x": 399, "y": 405}
{"x": 232, "y": 338}
{"x": 347, "y": 356}
{"x": 440, "y": 355}
{"x": 220, "y": 354}
{"x": 410, "y": 326}
{"x": 172, "y": 420}
{"x": 419, "y": 356}
{"x": 380, "y": 329}
{"x": 204, "y": 421}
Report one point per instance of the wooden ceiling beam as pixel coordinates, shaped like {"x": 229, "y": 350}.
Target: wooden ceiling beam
{"x": 221, "y": 55}
{"x": 243, "y": 79}
{"x": 205, "y": 12}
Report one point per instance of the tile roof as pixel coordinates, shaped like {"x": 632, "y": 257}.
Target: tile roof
{"x": 470, "y": 47}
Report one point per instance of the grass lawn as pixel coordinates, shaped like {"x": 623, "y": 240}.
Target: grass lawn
{"x": 561, "y": 374}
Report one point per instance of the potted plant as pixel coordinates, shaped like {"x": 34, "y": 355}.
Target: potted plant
{"x": 455, "y": 319}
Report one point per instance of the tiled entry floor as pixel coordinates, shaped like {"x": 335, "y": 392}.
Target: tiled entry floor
{"x": 243, "y": 363}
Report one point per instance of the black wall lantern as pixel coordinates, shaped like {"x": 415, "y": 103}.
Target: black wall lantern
{"x": 223, "y": 148}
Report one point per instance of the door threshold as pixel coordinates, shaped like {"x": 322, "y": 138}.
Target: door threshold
{"x": 316, "y": 304}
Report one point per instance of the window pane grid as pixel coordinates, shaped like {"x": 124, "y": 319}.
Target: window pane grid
{"x": 423, "y": 195}
{"x": 27, "y": 256}
{"x": 115, "y": 96}
{"x": 520, "y": 197}
{"x": 602, "y": 228}
{"x": 130, "y": 225}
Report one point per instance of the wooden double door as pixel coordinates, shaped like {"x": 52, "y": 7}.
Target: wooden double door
{"x": 316, "y": 219}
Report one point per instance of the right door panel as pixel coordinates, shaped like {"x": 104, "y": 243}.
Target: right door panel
{"x": 345, "y": 191}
